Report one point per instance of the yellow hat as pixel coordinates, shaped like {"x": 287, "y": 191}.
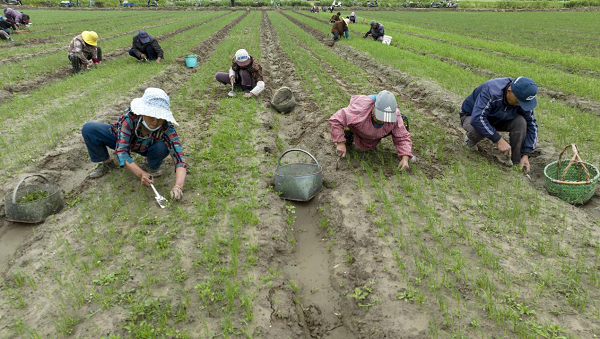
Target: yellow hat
{"x": 90, "y": 37}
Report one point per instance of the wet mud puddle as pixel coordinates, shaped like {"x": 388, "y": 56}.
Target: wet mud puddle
{"x": 310, "y": 270}
{"x": 11, "y": 237}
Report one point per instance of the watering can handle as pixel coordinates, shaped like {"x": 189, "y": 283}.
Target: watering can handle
{"x": 14, "y": 195}
{"x": 295, "y": 150}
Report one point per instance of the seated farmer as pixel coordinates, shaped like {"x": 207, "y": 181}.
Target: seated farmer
{"x": 376, "y": 31}
{"x": 340, "y": 28}
{"x": 146, "y": 128}
{"x": 367, "y": 120}
{"x": 503, "y": 104}
{"x": 352, "y": 18}
{"x": 84, "y": 50}
{"x": 146, "y": 47}
{"x": 245, "y": 72}
{"x": 5, "y": 28}
{"x": 335, "y": 17}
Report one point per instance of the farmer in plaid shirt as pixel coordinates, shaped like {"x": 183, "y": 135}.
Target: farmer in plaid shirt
{"x": 146, "y": 128}
{"x": 367, "y": 120}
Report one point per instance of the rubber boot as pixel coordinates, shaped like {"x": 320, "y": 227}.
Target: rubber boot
{"x": 347, "y": 34}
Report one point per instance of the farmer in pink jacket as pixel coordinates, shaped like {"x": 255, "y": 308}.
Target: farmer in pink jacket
{"x": 367, "y": 120}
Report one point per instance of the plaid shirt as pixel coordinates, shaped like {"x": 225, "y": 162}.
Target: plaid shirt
{"x": 357, "y": 117}
{"x": 83, "y": 51}
{"x": 127, "y": 140}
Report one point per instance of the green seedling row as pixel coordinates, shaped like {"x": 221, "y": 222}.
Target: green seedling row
{"x": 63, "y": 39}
{"x": 551, "y": 30}
{"x": 548, "y": 77}
{"x": 532, "y": 55}
{"x": 66, "y": 113}
{"x": 555, "y": 119}
{"x": 477, "y": 179}
{"x": 53, "y": 61}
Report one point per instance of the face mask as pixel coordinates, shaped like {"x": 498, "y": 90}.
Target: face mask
{"x": 148, "y": 128}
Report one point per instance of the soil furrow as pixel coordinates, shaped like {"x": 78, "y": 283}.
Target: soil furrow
{"x": 315, "y": 314}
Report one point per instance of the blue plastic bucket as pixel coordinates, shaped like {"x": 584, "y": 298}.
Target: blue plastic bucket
{"x": 191, "y": 60}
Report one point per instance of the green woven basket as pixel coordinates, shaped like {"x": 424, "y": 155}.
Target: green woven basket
{"x": 573, "y": 181}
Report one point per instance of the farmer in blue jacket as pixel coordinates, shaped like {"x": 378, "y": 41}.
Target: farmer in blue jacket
{"x": 506, "y": 105}
{"x": 376, "y": 31}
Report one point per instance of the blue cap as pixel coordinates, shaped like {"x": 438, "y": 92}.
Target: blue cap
{"x": 525, "y": 90}
{"x": 144, "y": 37}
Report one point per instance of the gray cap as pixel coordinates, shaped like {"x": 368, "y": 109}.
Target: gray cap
{"x": 373, "y": 22}
{"x": 385, "y": 107}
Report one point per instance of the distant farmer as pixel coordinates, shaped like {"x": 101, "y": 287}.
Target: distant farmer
{"x": 352, "y": 18}
{"x": 5, "y": 28}
{"x": 15, "y": 17}
{"x": 376, "y": 31}
{"x": 84, "y": 51}
{"x": 145, "y": 47}
{"x": 503, "y": 104}
{"x": 367, "y": 120}
{"x": 146, "y": 128}
{"x": 335, "y": 17}
{"x": 245, "y": 73}
{"x": 340, "y": 28}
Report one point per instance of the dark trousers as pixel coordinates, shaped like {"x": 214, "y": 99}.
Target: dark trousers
{"x": 244, "y": 81}
{"x": 150, "y": 53}
{"x": 98, "y": 137}
{"x": 76, "y": 62}
{"x": 516, "y": 128}
{"x": 336, "y": 35}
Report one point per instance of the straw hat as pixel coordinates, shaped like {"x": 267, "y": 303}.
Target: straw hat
{"x": 155, "y": 103}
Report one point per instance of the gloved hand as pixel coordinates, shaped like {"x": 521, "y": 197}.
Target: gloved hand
{"x": 176, "y": 193}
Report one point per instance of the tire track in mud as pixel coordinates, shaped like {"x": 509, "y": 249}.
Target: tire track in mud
{"x": 320, "y": 311}
{"x": 66, "y": 71}
{"x": 22, "y": 57}
{"x": 68, "y": 164}
{"x": 588, "y": 105}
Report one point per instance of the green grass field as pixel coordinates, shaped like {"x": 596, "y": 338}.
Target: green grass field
{"x": 460, "y": 246}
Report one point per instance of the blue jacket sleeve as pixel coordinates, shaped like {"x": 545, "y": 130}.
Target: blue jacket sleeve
{"x": 532, "y": 131}
{"x": 479, "y": 120}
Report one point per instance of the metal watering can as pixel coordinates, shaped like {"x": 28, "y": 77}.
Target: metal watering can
{"x": 298, "y": 181}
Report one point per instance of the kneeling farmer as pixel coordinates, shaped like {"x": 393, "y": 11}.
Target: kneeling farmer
{"x": 367, "y": 120}
{"x": 376, "y": 31}
{"x": 503, "y": 104}
{"x": 84, "y": 50}
{"x": 245, "y": 72}
{"x": 146, "y": 128}
{"x": 146, "y": 47}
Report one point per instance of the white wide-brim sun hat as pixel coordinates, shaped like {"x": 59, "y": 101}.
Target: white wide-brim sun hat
{"x": 154, "y": 103}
